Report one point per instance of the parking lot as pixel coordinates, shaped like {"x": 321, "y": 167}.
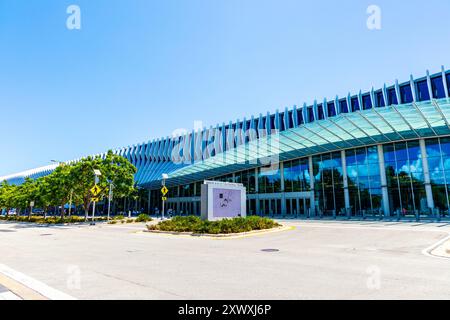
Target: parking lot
{"x": 315, "y": 260}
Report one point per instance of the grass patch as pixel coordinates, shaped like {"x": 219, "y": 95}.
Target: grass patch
{"x": 196, "y": 225}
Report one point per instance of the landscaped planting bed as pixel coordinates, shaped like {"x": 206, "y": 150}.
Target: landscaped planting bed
{"x": 193, "y": 224}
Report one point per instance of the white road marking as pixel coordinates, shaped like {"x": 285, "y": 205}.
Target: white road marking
{"x": 8, "y": 295}
{"x": 34, "y": 284}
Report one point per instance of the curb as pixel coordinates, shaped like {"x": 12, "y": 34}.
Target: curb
{"x": 430, "y": 251}
{"x": 222, "y": 235}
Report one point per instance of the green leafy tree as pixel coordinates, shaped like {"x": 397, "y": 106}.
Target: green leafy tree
{"x": 114, "y": 169}
{"x": 59, "y": 183}
{"x": 24, "y": 194}
{"x": 7, "y": 195}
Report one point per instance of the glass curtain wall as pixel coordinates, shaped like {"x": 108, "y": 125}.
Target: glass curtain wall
{"x": 404, "y": 173}
{"x": 364, "y": 184}
{"x": 248, "y": 179}
{"x": 328, "y": 185}
{"x": 438, "y": 152}
{"x": 296, "y": 176}
{"x": 269, "y": 180}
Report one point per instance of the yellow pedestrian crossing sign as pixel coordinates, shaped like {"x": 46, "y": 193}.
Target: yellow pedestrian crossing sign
{"x": 96, "y": 190}
{"x": 95, "y": 199}
{"x": 164, "y": 190}
{"x": 164, "y": 198}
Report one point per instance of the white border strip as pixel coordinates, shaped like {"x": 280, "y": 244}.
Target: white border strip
{"x": 34, "y": 284}
{"x": 431, "y": 248}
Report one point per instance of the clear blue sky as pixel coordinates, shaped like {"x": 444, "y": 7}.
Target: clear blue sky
{"x": 138, "y": 69}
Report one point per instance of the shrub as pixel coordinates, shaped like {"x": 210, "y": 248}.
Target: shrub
{"x": 130, "y": 221}
{"x": 143, "y": 218}
{"x": 112, "y": 222}
{"x": 196, "y": 225}
{"x": 119, "y": 217}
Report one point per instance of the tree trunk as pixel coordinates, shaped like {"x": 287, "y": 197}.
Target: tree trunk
{"x": 62, "y": 211}
{"x": 29, "y": 214}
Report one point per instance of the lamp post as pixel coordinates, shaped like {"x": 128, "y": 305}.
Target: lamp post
{"x": 97, "y": 174}
{"x": 111, "y": 186}
{"x": 163, "y": 182}
{"x": 70, "y": 202}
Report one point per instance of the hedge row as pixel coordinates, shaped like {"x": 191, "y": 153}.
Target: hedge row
{"x": 48, "y": 220}
{"x": 225, "y": 226}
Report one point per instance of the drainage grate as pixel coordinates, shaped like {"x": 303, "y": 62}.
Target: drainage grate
{"x": 8, "y": 231}
{"x": 46, "y": 234}
{"x": 270, "y": 250}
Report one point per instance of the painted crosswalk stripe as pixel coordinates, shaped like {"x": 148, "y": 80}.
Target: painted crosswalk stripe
{"x": 33, "y": 284}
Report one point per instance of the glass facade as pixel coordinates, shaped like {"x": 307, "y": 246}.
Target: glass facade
{"x": 367, "y": 102}
{"x": 403, "y": 167}
{"x": 355, "y": 104}
{"x": 296, "y": 176}
{"x": 448, "y": 82}
{"x": 405, "y": 179}
{"x": 392, "y": 96}
{"x": 248, "y": 179}
{"x": 269, "y": 180}
{"x": 344, "y": 106}
{"x": 379, "y": 99}
{"x": 438, "y": 152}
{"x": 328, "y": 183}
{"x": 363, "y": 173}
{"x": 406, "y": 94}
{"x": 422, "y": 91}
{"x": 437, "y": 87}
{"x": 331, "y": 109}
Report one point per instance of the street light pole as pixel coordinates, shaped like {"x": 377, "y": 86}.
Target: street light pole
{"x": 70, "y": 203}
{"x": 110, "y": 198}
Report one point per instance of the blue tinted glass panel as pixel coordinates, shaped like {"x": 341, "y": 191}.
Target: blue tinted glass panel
{"x": 320, "y": 112}
{"x": 406, "y": 94}
{"x": 290, "y": 122}
{"x": 310, "y": 114}
{"x": 392, "y": 96}
{"x": 367, "y": 102}
{"x": 282, "y": 126}
{"x": 379, "y": 99}
{"x": 344, "y": 107}
{"x": 422, "y": 91}
{"x": 272, "y": 122}
{"x": 355, "y": 104}
{"x": 331, "y": 110}
{"x": 448, "y": 82}
{"x": 445, "y": 146}
{"x": 437, "y": 87}
{"x": 300, "y": 117}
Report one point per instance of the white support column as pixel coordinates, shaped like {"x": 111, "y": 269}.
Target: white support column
{"x": 444, "y": 81}
{"x": 384, "y": 188}
{"x": 426, "y": 174}
{"x": 283, "y": 195}
{"x": 257, "y": 208}
{"x": 344, "y": 173}
{"x": 311, "y": 184}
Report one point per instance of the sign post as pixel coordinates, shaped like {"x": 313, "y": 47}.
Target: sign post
{"x": 95, "y": 192}
{"x": 164, "y": 191}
